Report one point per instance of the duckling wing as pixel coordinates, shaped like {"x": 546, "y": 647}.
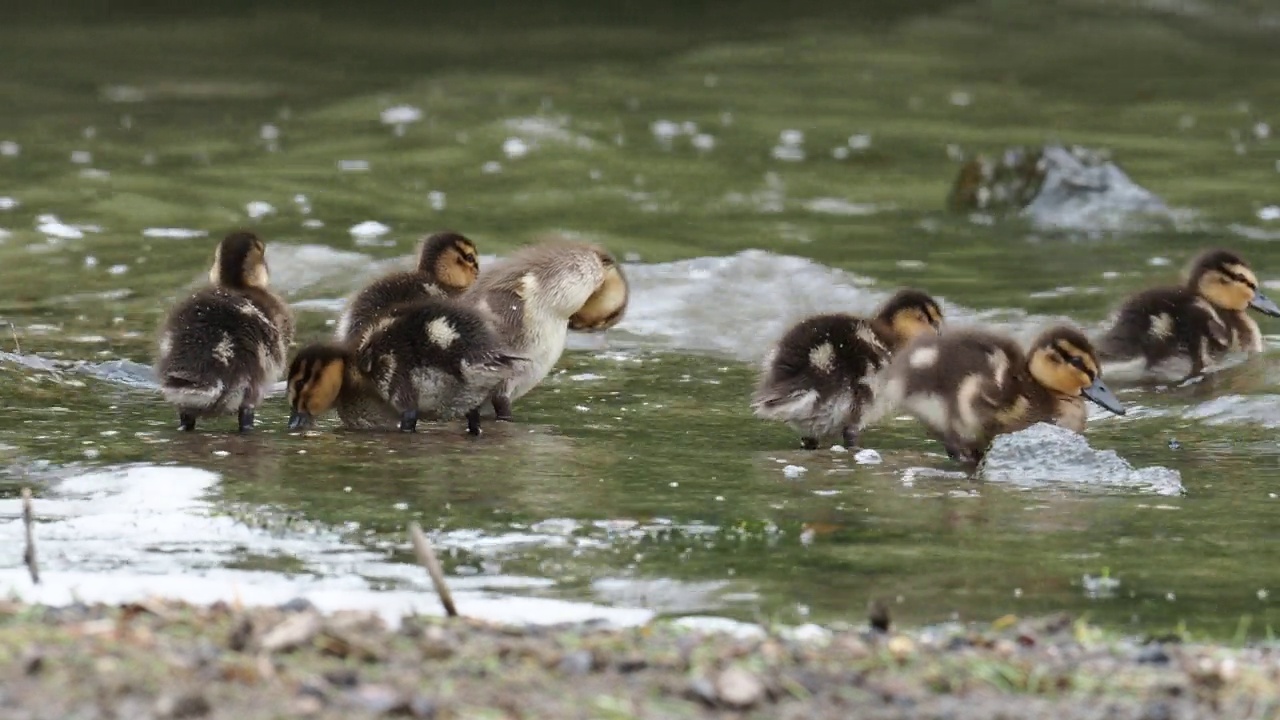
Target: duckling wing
{"x": 375, "y": 300}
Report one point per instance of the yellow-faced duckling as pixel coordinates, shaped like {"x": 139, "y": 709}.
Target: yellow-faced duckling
{"x": 1173, "y": 333}
{"x": 223, "y": 346}
{"x": 824, "y": 371}
{"x": 326, "y": 376}
{"x": 969, "y": 385}
{"x": 540, "y": 292}
{"x": 432, "y": 359}
{"x": 447, "y": 265}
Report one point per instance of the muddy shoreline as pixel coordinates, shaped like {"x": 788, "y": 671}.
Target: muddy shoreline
{"x": 161, "y": 659}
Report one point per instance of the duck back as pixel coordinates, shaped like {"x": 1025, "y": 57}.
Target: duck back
{"x": 379, "y": 297}
{"x": 435, "y": 356}
{"x": 221, "y": 348}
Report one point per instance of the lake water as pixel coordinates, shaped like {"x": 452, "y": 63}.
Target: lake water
{"x": 750, "y": 169}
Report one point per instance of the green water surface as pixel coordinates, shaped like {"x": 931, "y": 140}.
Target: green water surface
{"x": 173, "y": 110}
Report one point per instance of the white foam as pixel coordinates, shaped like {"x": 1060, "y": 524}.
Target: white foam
{"x": 1261, "y": 410}
{"x": 1045, "y": 454}
{"x": 174, "y": 233}
{"x": 401, "y": 115}
{"x": 140, "y": 530}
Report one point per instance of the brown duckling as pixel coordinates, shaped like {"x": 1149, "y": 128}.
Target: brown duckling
{"x": 1173, "y": 333}
{"x": 447, "y": 265}
{"x": 969, "y": 385}
{"x": 222, "y": 347}
{"x": 536, "y": 295}
{"x": 326, "y": 376}
{"x": 432, "y": 359}
{"x": 825, "y": 370}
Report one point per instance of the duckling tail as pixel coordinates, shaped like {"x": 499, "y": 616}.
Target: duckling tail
{"x": 188, "y": 390}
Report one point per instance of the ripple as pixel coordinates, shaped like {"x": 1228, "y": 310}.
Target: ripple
{"x": 1045, "y": 454}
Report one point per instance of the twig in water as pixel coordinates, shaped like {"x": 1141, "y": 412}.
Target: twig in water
{"x": 29, "y": 520}
{"x": 427, "y": 557}
{"x": 14, "y": 331}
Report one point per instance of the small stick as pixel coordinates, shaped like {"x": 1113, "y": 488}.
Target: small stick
{"x": 28, "y": 520}
{"x": 427, "y": 557}
{"x": 14, "y": 331}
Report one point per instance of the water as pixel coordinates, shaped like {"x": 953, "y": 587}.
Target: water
{"x": 749, "y": 171}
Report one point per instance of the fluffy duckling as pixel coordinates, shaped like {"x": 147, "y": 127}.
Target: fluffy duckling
{"x": 1173, "y": 333}
{"x": 540, "y": 292}
{"x": 326, "y": 375}
{"x": 825, "y": 369}
{"x": 222, "y": 347}
{"x": 432, "y": 359}
{"x": 970, "y": 385}
{"x": 447, "y": 266}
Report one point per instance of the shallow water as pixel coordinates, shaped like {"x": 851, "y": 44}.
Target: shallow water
{"x": 749, "y": 173}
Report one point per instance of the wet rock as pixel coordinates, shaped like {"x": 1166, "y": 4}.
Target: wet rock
{"x": 738, "y": 688}
{"x": 1056, "y": 187}
{"x": 422, "y": 706}
{"x": 1153, "y": 654}
{"x": 298, "y": 604}
{"x": 630, "y": 664}
{"x": 578, "y": 662}
{"x": 343, "y": 677}
{"x": 291, "y": 634}
{"x": 382, "y": 700}
{"x": 190, "y": 705}
{"x": 1157, "y": 710}
{"x": 700, "y": 688}
{"x": 901, "y": 647}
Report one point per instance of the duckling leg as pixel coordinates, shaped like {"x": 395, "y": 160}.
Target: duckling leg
{"x": 473, "y": 422}
{"x": 409, "y": 421}
{"x": 809, "y": 443}
{"x": 246, "y": 418}
{"x": 850, "y": 435}
{"x": 963, "y": 454}
{"x": 502, "y": 408}
{"x": 186, "y": 421}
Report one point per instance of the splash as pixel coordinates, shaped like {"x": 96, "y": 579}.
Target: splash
{"x": 1045, "y": 454}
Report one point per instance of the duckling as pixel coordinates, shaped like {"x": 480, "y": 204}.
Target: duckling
{"x": 825, "y": 369}
{"x": 539, "y": 293}
{"x": 222, "y": 347}
{"x": 326, "y": 375}
{"x": 1173, "y": 333}
{"x": 430, "y": 359}
{"x": 970, "y": 385}
{"x": 447, "y": 266}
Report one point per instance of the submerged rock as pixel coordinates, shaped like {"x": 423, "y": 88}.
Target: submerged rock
{"x": 1055, "y": 187}
{"x": 1045, "y": 453}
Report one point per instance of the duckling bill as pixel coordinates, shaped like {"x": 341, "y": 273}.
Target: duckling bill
{"x": 1176, "y": 332}
{"x": 824, "y": 371}
{"x": 222, "y": 347}
{"x": 969, "y": 385}
{"x": 431, "y": 359}
{"x": 447, "y": 265}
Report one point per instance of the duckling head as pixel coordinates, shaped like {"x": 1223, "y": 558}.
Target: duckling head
{"x": 1225, "y": 280}
{"x": 910, "y": 313}
{"x": 1063, "y": 360}
{"x": 451, "y": 259}
{"x": 240, "y": 262}
{"x": 607, "y": 304}
{"x": 315, "y": 379}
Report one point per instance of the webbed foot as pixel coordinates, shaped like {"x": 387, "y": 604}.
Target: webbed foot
{"x": 246, "y": 419}
{"x": 809, "y": 443}
{"x": 409, "y": 421}
{"x": 473, "y": 422}
{"x": 186, "y": 422}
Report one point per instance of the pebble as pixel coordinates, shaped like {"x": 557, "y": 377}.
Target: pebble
{"x": 739, "y": 688}
{"x": 794, "y": 471}
{"x": 191, "y": 705}
{"x": 1153, "y": 654}
{"x": 578, "y": 662}
{"x": 901, "y": 647}
{"x": 294, "y": 632}
{"x": 867, "y": 457}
